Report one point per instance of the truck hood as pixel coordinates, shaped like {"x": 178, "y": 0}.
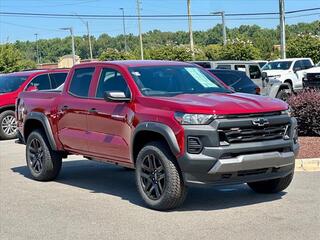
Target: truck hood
{"x": 216, "y": 103}
{"x": 313, "y": 70}
{"x": 275, "y": 72}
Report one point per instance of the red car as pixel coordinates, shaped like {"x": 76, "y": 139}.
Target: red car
{"x": 173, "y": 122}
{"x": 13, "y": 83}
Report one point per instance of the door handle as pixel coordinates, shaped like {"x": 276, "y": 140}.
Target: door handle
{"x": 118, "y": 117}
{"x": 65, "y": 107}
{"x": 93, "y": 110}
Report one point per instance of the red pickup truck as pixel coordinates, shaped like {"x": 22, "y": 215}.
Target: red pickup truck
{"x": 12, "y": 84}
{"x": 173, "y": 122}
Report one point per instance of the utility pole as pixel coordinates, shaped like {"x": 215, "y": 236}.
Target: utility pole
{"x": 37, "y": 47}
{"x": 190, "y": 29}
{"x": 224, "y": 31}
{"x": 72, "y": 43}
{"x": 282, "y": 29}
{"x": 124, "y": 31}
{"x": 89, "y": 38}
{"x": 139, "y": 25}
{"x": 86, "y": 23}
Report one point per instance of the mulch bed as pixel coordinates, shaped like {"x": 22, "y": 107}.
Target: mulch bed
{"x": 309, "y": 147}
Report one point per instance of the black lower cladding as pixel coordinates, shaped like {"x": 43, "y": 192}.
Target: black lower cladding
{"x": 196, "y": 167}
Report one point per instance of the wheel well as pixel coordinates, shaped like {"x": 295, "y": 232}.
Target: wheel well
{"x": 31, "y": 125}
{"x": 144, "y": 137}
{"x": 288, "y": 81}
{"x": 12, "y": 108}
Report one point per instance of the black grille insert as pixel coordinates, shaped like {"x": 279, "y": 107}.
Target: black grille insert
{"x": 194, "y": 145}
{"x": 253, "y": 133}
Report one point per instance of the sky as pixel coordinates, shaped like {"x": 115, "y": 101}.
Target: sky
{"x": 14, "y": 28}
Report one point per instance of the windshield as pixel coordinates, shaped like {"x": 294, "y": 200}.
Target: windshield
{"x": 11, "y": 83}
{"x": 280, "y": 65}
{"x": 174, "y": 80}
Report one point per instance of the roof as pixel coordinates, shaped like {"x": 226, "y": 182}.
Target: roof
{"x": 141, "y": 63}
{"x": 289, "y": 59}
{"x": 35, "y": 71}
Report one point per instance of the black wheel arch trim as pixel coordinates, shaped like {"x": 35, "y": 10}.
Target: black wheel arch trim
{"x": 160, "y": 128}
{"x": 46, "y": 125}
{"x": 7, "y": 107}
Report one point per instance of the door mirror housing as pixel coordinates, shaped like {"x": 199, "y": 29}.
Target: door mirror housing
{"x": 116, "y": 96}
{"x": 31, "y": 89}
{"x": 297, "y": 69}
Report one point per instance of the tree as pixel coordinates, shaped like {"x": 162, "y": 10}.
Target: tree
{"x": 239, "y": 49}
{"x": 11, "y": 60}
{"x": 113, "y": 54}
{"x": 214, "y": 52}
{"x": 304, "y": 45}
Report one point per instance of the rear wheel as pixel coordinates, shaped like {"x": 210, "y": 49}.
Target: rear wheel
{"x": 44, "y": 164}
{"x": 158, "y": 177}
{"x": 271, "y": 186}
{"x": 8, "y": 125}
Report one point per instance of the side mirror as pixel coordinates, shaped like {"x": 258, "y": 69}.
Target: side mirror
{"x": 31, "y": 89}
{"x": 297, "y": 69}
{"x": 116, "y": 97}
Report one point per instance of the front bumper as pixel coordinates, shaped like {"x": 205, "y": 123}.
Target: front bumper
{"x": 239, "y": 162}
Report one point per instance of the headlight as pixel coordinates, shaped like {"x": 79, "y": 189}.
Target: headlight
{"x": 194, "y": 119}
{"x": 287, "y": 112}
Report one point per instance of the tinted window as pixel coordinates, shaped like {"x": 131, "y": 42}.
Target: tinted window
{"x": 233, "y": 79}
{"x": 203, "y": 64}
{"x": 174, "y": 80}
{"x": 241, "y": 68}
{"x": 223, "y": 66}
{"x": 80, "y": 82}
{"x": 41, "y": 82}
{"x": 297, "y": 66}
{"x": 10, "y": 83}
{"x": 111, "y": 80}
{"x": 57, "y": 79}
{"x": 307, "y": 64}
{"x": 278, "y": 65}
{"x": 254, "y": 71}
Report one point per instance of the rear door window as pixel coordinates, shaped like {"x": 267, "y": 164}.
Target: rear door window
{"x": 41, "y": 82}
{"x": 223, "y": 66}
{"x": 57, "y": 79}
{"x": 80, "y": 82}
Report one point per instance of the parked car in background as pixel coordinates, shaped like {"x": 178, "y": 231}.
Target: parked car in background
{"x": 14, "y": 83}
{"x": 237, "y": 80}
{"x": 311, "y": 77}
{"x": 173, "y": 122}
{"x": 261, "y": 62}
{"x": 289, "y": 71}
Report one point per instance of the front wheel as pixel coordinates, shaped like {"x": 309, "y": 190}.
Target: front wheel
{"x": 271, "y": 186}
{"x": 158, "y": 177}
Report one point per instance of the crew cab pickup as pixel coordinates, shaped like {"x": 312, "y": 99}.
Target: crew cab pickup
{"x": 173, "y": 122}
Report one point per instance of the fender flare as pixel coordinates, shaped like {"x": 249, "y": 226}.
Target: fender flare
{"x": 160, "y": 128}
{"x": 40, "y": 117}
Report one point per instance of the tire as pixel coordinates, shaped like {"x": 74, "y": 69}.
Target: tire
{"x": 44, "y": 164}
{"x": 289, "y": 86}
{"x": 165, "y": 189}
{"x": 283, "y": 95}
{"x": 8, "y": 125}
{"x": 271, "y": 186}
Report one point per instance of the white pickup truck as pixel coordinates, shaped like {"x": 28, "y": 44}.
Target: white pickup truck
{"x": 290, "y": 71}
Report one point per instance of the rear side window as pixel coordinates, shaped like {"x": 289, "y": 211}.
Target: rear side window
{"x": 254, "y": 71}
{"x": 81, "y": 81}
{"x": 41, "y": 82}
{"x": 241, "y": 68}
{"x": 223, "y": 66}
{"x": 57, "y": 79}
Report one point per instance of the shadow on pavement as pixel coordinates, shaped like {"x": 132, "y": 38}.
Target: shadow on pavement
{"x": 109, "y": 179}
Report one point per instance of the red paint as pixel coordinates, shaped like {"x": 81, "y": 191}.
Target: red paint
{"x": 101, "y": 135}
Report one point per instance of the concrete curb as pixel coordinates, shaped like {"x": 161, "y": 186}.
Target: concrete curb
{"x": 308, "y": 164}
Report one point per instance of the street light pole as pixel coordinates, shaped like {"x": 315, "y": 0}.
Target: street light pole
{"x": 86, "y": 23}
{"x": 190, "y": 29}
{"x": 124, "y": 31}
{"x": 224, "y": 30}
{"x": 282, "y": 29}
{"x": 139, "y": 26}
{"x": 72, "y": 42}
{"x": 38, "y": 60}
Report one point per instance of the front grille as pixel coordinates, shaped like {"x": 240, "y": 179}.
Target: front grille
{"x": 252, "y": 172}
{"x": 313, "y": 77}
{"x": 194, "y": 145}
{"x": 253, "y": 133}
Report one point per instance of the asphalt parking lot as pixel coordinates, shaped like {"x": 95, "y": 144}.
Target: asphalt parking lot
{"x": 91, "y": 200}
